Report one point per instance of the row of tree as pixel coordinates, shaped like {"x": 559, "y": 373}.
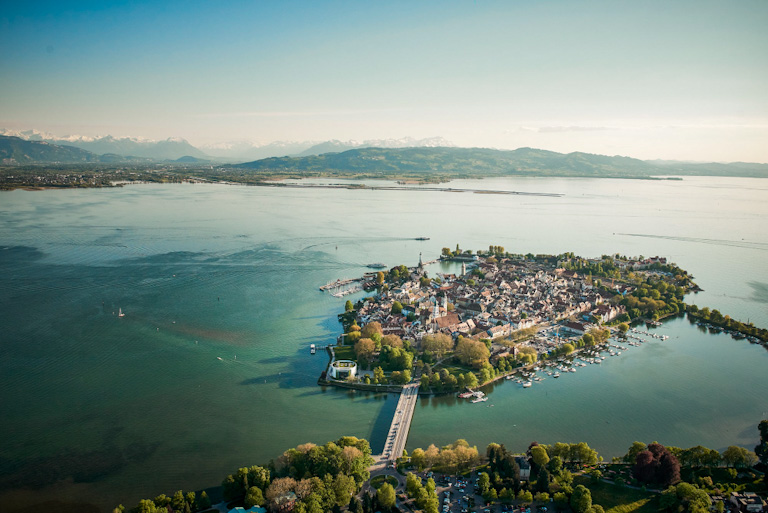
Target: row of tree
{"x": 180, "y": 502}
{"x": 453, "y": 458}
{"x": 699, "y": 456}
{"x": 725, "y": 321}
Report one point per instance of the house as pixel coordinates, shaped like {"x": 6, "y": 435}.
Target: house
{"x": 577, "y": 328}
{"x": 285, "y": 502}
{"x": 748, "y": 502}
{"x": 525, "y": 468}
{"x": 499, "y": 331}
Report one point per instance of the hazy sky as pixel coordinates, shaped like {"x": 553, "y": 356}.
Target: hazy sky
{"x": 667, "y": 79}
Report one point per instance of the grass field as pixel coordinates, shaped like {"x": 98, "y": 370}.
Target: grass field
{"x": 344, "y": 353}
{"x": 453, "y": 368}
{"x": 617, "y": 499}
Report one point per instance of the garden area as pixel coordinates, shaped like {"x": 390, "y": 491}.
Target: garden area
{"x": 377, "y": 481}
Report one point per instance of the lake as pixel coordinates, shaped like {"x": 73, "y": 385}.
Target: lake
{"x": 210, "y": 370}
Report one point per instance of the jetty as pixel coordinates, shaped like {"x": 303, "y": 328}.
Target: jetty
{"x": 400, "y": 425}
{"x": 341, "y": 288}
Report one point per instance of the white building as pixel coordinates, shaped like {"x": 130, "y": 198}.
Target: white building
{"x": 342, "y": 369}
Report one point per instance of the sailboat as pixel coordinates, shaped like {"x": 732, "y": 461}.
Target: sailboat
{"x": 120, "y": 313}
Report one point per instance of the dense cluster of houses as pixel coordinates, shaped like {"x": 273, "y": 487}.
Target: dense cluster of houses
{"x": 494, "y": 299}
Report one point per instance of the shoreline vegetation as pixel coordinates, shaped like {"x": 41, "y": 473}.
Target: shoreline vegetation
{"x": 344, "y": 476}
{"x": 509, "y": 316}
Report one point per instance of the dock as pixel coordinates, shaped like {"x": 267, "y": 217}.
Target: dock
{"x": 338, "y": 284}
{"x": 401, "y": 424}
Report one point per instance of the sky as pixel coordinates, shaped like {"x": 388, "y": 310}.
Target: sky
{"x": 684, "y": 80}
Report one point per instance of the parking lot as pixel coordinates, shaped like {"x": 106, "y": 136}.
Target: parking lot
{"x": 459, "y": 495}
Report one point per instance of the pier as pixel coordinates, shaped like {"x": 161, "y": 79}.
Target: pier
{"x": 341, "y": 288}
{"x": 401, "y": 424}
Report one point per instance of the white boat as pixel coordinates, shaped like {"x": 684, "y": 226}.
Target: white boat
{"x": 479, "y": 400}
{"x": 527, "y": 384}
{"x": 556, "y": 375}
{"x": 120, "y": 312}
{"x": 312, "y": 349}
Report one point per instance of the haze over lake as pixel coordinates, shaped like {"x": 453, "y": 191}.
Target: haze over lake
{"x": 210, "y": 369}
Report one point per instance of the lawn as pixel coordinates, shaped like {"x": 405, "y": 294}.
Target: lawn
{"x": 377, "y": 481}
{"x": 453, "y": 368}
{"x": 617, "y": 499}
{"x": 344, "y": 353}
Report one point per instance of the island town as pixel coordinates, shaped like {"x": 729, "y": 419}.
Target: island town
{"x": 506, "y": 316}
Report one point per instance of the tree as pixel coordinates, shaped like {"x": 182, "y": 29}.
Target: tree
{"x": 735, "y": 456}
{"x": 539, "y": 456}
{"x": 657, "y": 465}
{"x": 581, "y": 500}
{"x": 634, "y": 450}
{"x": 254, "y": 497}
{"x": 364, "y": 348}
{"x": 392, "y": 341}
{"x": 623, "y": 328}
{"x": 370, "y": 329}
{"x": 386, "y": 496}
{"x": 418, "y": 459}
{"x": 555, "y": 465}
{"x": 761, "y": 450}
{"x": 380, "y": 278}
{"x": 177, "y": 502}
{"x": 542, "y": 480}
{"x": 204, "y": 502}
{"x": 438, "y": 344}
{"x": 348, "y": 306}
{"x": 472, "y": 352}
{"x": 397, "y": 308}
{"x": 561, "y": 500}
{"x": 146, "y": 506}
{"x": 484, "y": 483}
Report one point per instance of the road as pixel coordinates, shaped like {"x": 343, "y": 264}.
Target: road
{"x": 401, "y": 423}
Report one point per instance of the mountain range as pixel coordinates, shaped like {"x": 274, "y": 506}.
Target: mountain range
{"x": 234, "y": 151}
{"x": 425, "y": 158}
{"x": 479, "y": 162}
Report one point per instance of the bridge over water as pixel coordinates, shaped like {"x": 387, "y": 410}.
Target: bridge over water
{"x": 401, "y": 424}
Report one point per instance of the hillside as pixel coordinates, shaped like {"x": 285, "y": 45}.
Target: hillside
{"x": 476, "y": 162}
{"x": 14, "y": 150}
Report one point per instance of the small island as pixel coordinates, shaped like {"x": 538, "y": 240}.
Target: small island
{"x": 507, "y": 315}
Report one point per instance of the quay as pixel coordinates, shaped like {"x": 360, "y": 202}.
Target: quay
{"x": 339, "y": 283}
{"x": 401, "y": 424}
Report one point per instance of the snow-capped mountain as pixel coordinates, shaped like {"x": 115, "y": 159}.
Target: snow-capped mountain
{"x": 233, "y": 151}
{"x": 168, "y": 149}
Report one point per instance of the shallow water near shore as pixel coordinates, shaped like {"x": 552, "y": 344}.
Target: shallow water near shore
{"x": 210, "y": 368}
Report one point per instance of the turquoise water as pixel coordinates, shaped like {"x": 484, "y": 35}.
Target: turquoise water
{"x": 106, "y": 409}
